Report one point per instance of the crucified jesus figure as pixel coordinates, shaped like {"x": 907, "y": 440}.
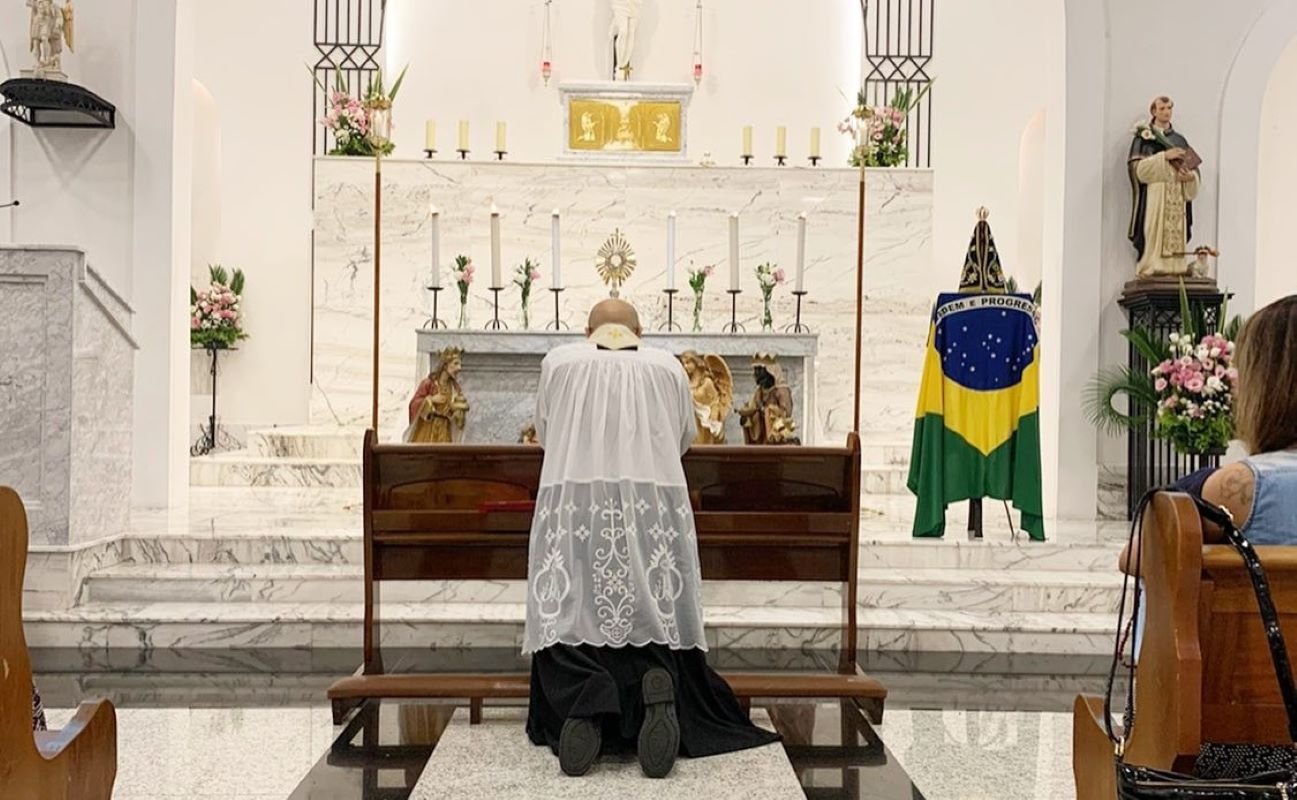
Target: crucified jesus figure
{"x": 625, "y": 21}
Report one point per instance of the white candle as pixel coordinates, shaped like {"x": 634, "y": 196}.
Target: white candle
{"x": 734, "y": 251}
{"x": 801, "y": 252}
{"x": 781, "y": 141}
{"x": 430, "y": 135}
{"x": 435, "y": 225}
{"x": 500, "y": 130}
{"x": 497, "y": 277}
{"x": 556, "y": 278}
{"x": 815, "y": 142}
{"x": 671, "y": 250}
{"x": 747, "y": 140}
{"x": 463, "y": 134}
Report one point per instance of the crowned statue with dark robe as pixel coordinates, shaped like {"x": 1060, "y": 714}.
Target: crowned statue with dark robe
{"x": 1164, "y": 180}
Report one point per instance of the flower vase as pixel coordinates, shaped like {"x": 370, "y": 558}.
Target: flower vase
{"x": 463, "y": 312}
{"x": 526, "y": 314}
{"x": 767, "y": 319}
{"x": 698, "y": 312}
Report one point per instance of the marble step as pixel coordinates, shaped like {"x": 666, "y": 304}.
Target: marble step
{"x": 882, "y": 547}
{"x": 147, "y": 626}
{"x": 920, "y": 589}
{"x": 246, "y": 468}
{"x": 243, "y": 468}
{"x": 344, "y": 583}
{"x": 301, "y": 441}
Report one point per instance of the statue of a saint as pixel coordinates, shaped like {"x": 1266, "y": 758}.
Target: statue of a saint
{"x": 1164, "y": 181}
{"x": 439, "y": 409}
{"x": 625, "y": 22}
{"x": 51, "y": 27}
{"x": 712, "y": 386}
{"x": 768, "y": 418}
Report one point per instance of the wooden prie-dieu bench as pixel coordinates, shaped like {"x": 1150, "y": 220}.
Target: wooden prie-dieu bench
{"x": 462, "y": 512}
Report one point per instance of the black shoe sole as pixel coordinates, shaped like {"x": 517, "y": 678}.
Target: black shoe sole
{"x": 659, "y": 736}
{"x": 578, "y": 745}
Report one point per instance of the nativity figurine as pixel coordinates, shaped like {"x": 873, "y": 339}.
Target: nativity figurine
{"x": 439, "y": 409}
{"x": 768, "y": 417}
{"x": 712, "y": 387}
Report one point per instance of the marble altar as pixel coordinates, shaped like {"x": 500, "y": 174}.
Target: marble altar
{"x": 900, "y": 279}
{"x": 501, "y": 370}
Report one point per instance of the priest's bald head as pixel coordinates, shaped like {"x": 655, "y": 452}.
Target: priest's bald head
{"x": 614, "y": 325}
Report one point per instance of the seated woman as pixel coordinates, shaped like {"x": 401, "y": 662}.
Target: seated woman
{"x": 1260, "y": 491}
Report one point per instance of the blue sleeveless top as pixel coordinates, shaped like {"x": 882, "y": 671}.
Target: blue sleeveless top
{"x": 1274, "y": 503}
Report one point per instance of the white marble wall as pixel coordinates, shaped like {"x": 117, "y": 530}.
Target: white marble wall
{"x": 900, "y": 279}
{"x": 65, "y": 395}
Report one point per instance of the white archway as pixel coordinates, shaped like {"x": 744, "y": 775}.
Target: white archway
{"x": 1240, "y": 132}
{"x": 1276, "y": 175}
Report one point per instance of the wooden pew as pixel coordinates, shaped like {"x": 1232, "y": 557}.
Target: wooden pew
{"x": 78, "y": 762}
{"x": 762, "y": 513}
{"x": 1205, "y": 673}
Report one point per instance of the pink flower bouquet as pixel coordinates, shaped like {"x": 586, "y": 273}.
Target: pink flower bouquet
{"x": 215, "y": 313}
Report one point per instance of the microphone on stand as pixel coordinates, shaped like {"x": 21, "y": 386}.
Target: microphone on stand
{"x": 13, "y": 204}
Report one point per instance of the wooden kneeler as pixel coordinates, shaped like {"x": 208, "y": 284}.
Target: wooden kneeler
{"x": 78, "y": 762}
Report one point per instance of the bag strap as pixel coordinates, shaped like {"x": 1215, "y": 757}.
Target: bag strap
{"x": 1123, "y": 630}
{"x": 1265, "y": 601}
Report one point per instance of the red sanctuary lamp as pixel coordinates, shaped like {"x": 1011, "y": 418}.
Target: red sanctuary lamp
{"x": 546, "y": 69}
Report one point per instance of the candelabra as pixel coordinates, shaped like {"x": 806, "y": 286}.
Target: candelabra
{"x": 671, "y": 302}
{"x": 733, "y": 326}
{"x": 557, "y": 324}
{"x": 429, "y": 152}
{"x": 499, "y": 155}
{"x": 797, "y": 326}
{"x": 815, "y": 161}
{"x": 747, "y": 159}
{"x": 434, "y": 322}
{"x": 496, "y": 324}
{"x": 781, "y": 160}
{"x": 463, "y": 154}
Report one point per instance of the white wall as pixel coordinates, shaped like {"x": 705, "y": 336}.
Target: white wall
{"x": 1276, "y": 276}
{"x": 997, "y": 64}
{"x": 256, "y": 182}
{"x": 765, "y": 64}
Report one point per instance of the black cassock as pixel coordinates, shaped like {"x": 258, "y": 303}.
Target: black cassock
{"x": 604, "y": 683}
{"x": 1139, "y": 149}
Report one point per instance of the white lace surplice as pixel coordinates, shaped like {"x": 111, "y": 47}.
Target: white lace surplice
{"x": 614, "y": 555}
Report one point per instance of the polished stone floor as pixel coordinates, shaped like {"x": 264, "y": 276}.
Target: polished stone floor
{"x": 239, "y": 725}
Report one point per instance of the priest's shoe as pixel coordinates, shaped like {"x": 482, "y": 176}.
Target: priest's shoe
{"x": 659, "y": 736}
{"x": 578, "y": 745}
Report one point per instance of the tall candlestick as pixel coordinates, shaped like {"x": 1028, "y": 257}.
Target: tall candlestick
{"x": 747, "y": 141}
{"x": 734, "y": 251}
{"x": 430, "y": 135}
{"x": 463, "y": 134}
{"x": 815, "y": 142}
{"x": 801, "y": 252}
{"x": 497, "y": 277}
{"x": 781, "y": 141}
{"x": 500, "y": 129}
{"x": 556, "y": 276}
{"x": 434, "y": 224}
{"x": 671, "y": 251}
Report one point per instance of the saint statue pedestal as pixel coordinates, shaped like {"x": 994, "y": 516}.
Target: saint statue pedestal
{"x": 1153, "y": 305}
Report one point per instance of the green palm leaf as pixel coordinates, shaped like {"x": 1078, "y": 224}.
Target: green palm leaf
{"x": 1144, "y": 344}
{"x": 1106, "y": 386}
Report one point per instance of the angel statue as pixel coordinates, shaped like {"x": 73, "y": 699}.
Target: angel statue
{"x": 625, "y": 23}
{"x": 51, "y": 27}
{"x": 439, "y": 409}
{"x": 712, "y": 387}
{"x": 768, "y": 417}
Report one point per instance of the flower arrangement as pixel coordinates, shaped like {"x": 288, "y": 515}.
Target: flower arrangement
{"x": 361, "y": 126}
{"x": 698, "y": 283}
{"x": 524, "y": 275}
{"x": 1188, "y": 391}
{"x": 463, "y": 271}
{"x": 1194, "y": 386}
{"x": 1148, "y": 133}
{"x": 768, "y": 277}
{"x": 215, "y": 316}
{"x": 880, "y": 131}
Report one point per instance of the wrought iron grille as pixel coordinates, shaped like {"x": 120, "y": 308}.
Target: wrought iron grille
{"x": 349, "y": 39}
{"x": 1153, "y": 462}
{"x": 898, "y": 55}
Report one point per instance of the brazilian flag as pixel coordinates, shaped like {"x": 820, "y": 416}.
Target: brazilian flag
{"x": 977, "y": 428}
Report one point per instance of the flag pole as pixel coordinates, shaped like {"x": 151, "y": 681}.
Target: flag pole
{"x": 860, "y": 292}
{"x": 378, "y": 261}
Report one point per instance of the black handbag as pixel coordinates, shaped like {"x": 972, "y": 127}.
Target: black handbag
{"x": 1222, "y": 771}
